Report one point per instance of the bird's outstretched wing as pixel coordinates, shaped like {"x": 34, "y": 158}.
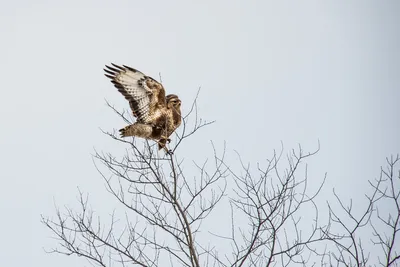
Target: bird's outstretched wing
{"x": 144, "y": 94}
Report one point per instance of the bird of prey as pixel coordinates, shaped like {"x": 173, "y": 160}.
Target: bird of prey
{"x": 157, "y": 115}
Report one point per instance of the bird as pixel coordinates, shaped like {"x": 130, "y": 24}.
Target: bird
{"x": 157, "y": 115}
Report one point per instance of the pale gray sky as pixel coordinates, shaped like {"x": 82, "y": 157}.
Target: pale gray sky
{"x": 270, "y": 71}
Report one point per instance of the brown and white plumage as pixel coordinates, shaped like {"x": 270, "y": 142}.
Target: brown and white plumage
{"x": 145, "y": 95}
{"x": 158, "y": 116}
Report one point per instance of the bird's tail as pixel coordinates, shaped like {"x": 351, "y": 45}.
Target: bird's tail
{"x": 137, "y": 129}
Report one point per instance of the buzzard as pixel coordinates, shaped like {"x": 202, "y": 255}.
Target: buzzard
{"x": 157, "y": 115}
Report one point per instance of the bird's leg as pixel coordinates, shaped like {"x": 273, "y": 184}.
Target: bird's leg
{"x": 162, "y": 144}
{"x": 168, "y": 151}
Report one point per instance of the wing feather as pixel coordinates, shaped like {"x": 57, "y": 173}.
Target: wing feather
{"x": 144, "y": 93}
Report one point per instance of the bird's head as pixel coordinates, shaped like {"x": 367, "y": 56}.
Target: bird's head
{"x": 173, "y": 101}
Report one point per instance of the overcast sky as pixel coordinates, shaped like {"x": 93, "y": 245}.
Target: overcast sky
{"x": 270, "y": 72}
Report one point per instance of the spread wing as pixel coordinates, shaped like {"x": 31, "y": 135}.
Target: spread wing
{"x": 145, "y": 95}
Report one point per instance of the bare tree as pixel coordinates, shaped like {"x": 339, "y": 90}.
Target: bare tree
{"x": 356, "y": 232}
{"x": 272, "y": 200}
{"x": 275, "y": 219}
{"x": 154, "y": 188}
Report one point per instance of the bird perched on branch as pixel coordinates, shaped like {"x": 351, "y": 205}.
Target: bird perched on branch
{"x": 157, "y": 115}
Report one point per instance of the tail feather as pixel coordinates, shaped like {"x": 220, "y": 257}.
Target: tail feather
{"x": 148, "y": 132}
{"x": 137, "y": 129}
